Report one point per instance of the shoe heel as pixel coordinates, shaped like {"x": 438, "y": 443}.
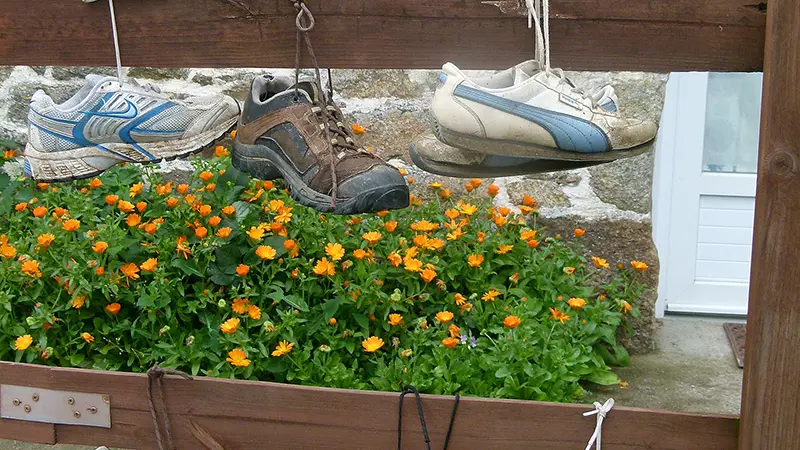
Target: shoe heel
{"x": 261, "y": 169}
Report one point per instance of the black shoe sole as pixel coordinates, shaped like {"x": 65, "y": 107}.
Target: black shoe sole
{"x": 261, "y": 162}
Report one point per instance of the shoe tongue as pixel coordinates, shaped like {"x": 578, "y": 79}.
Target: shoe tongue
{"x": 311, "y": 89}
{"x": 607, "y": 99}
{"x": 520, "y": 75}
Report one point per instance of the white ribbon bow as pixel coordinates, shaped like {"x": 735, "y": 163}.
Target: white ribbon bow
{"x": 601, "y": 411}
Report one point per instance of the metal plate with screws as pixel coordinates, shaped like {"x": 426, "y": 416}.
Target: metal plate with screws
{"x": 49, "y": 406}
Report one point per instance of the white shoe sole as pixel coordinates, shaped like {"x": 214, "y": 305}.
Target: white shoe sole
{"x": 87, "y": 162}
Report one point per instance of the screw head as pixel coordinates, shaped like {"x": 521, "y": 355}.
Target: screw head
{"x": 92, "y": 409}
{"x": 27, "y": 408}
{"x": 35, "y": 397}
{"x": 71, "y": 401}
{"x": 17, "y": 402}
{"x": 77, "y": 414}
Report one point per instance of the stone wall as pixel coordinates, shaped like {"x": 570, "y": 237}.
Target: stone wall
{"x": 611, "y": 201}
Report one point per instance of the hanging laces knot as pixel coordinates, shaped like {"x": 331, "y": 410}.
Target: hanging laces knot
{"x": 303, "y": 15}
{"x": 601, "y": 410}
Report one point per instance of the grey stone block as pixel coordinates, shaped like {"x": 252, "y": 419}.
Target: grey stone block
{"x": 69, "y": 73}
{"x": 152, "y": 73}
{"x": 626, "y": 183}
{"x": 20, "y": 95}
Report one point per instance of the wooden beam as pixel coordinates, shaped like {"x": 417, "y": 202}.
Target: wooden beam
{"x": 656, "y": 35}
{"x": 771, "y": 392}
{"x": 246, "y": 415}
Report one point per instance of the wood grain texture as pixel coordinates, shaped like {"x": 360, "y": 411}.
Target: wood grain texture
{"x": 248, "y": 415}
{"x": 771, "y": 392}
{"x": 656, "y": 35}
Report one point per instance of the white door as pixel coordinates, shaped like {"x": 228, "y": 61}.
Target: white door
{"x": 704, "y": 191}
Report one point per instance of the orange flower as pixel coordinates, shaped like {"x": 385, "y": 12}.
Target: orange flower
{"x": 133, "y": 220}
{"x": 71, "y": 225}
{"x": 578, "y": 232}
{"x": 444, "y": 316}
{"x": 223, "y": 232}
{"x": 394, "y": 259}
{"x": 454, "y": 330}
{"x": 500, "y": 220}
{"x": 20, "y": 207}
{"x": 254, "y": 312}
{"x": 525, "y": 210}
{"x": 491, "y": 295}
{"x": 372, "y": 237}
{"x": 533, "y": 243}
{"x": 424, "y": 226}
{"x": 239, "y": 305}
{"x": 413, "y": 265}
{"x": 569, "y": 270}
{"x": 100, "y": 271}
{"x": 600, "y": 263}
{"x": 256, "y": 233}
{"x": 242, "y": 270}
{"x": 451, "y": 214}
{"x": 359, "y": 254}
{"x": 511, "y": 322}
{"x": 450, "y": 342}
{"x": 183, "y": 189}
{"x": 283, "y": 348}
{"x": 504, "y": 211}
{"x": 229, "y": 326}
{"x": 528, "y": 201}
{"x": 460, "y": 299}
{"x": 23, "y": 342}
{"x": 576, "y": 303}
{"x": 428, "y": 274}
{"x": 625, "y": 306}
{"x": 233, "y": 134}
{"x": 205, "y": 210}
{"x": 358, "y": 129}
{"x": 237, "y": 357}
{"x": 87, "y": 337}
{"x": 164, "y": 189}
{"x": 558, "y": 315}
{"x": 289, "y": 244}
{"x": 475, "y": 260}
{"x": 130, "y": 270}
{"x": 172, "y": 202}
{"x": 455, "y": 234}
{"x": 527, "y": 234}
{"x": 372, "y": 344}
{"x": 220, "y": 151}
{"x": 395, "y": 319}
{"x": 493, "y": 189}
{"x": 481, "y": 236}
{"x": 475, "y": 182}
{"x": 100, "y": 247}
{"x": 332, "y": 321}
{"x": 268, "y": 185}
{"x": 420, "y": 240}
{"x": 434, "y": 244}
{"x": 201, "y": 232}
{"x": 335, "y": 251}
{"x": 125, "y": 206}
{"x": 468, "y": 187}
{"x": 390, "y": 226}
{"x": 78, "y": 301}
{"x": 324, "y": 267}
{"x": 228, "y": 210}
{"x": 150, "y": 228}
{"x": 7, "y": 251}
{"x": 639, "y": 266}
{"x": 266, "y": 252}
{"x": 136, "y": 189}
{"x": 503, "y": 249}
{"x": 39, "y": 211}
{"x": 113, "y": 308}
{"x": 214, "y": 221}
{"x": 445, "y": 193}
{"x": 206, "y": 175}
{"x": 46, "y": 239}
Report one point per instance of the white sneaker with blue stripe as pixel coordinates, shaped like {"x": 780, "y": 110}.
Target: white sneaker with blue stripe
{"x": 106, "y": 123}
{"x": 533, "y": 111}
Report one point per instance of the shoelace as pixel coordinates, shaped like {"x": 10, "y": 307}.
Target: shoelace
{"x": 327, "y": 111}
{"x": 539, "y": 19}
{"x": 116, "y": 42}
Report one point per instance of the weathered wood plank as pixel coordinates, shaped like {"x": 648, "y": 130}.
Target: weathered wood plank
{"x": 661, "y": 35}
{"x": 38, "y": 433}
{"x": 771, "y": 392}
{"x": 244, "y": 415}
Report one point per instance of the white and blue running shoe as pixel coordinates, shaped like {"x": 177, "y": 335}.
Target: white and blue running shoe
{"x": 106, "y": 123}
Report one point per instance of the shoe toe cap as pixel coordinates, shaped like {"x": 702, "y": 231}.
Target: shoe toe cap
{"x": 633, "y": 134}
{"x": 380, "y": 188}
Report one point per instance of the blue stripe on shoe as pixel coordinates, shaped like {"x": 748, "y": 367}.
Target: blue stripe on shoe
{"x": 570, "y": 133}
{"x": 125, "y": 132}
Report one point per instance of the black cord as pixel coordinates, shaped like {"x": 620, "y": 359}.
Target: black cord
{"x": 412, "y": 390}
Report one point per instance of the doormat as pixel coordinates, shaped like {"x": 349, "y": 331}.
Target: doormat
{"x": 736, "y": 332}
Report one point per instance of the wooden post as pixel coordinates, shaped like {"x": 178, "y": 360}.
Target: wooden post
{"x": 771, "y": 392}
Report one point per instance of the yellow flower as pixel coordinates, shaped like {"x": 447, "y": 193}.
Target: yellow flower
{"x": 372, "y": 237}
{"x": 503, "y": 249}
{"x": 435, "y": 185}
{"x": 149, "y": 265}
{"x": 434, "y": 244}
{"x": 372, "y": 344}
{"x": 411, "y": 253}
{"x": 491, "y": 295}
{"x": 420, "y": 240}
{"x": 332, "y": 321}
{"x": 136, "y": 189}
{"x": 525, "y": 210}
{"x": 639, "y": 266}
{"x": 569, "y": 270}
{"x": 625, "y": 306}
{"x": 256, "y": 233}
{"x": 324, "y": 267}
{"x": 239, "y": 305}
{"x": 359, "y": 254}
{"x": 475, "y": 260}
{"x": 451, "y": 214}
{"x": 444, "y": 316}
{"x": 527, "y": 235}
{"x": 454, "y": 330}
{"x": 237, "y": 357}
{"x": 455, "y": 234}
{"x": 335, "y": 251}
{"x": 181, "y": 247}
{"x": 23, "y": 342}
{"x": 71, "y": 225}
{"x": 7, "y": 251}
{"x": 125, "y": 206}
{"x": 413, "y": 265}
{"x": 512, "y": 322}
{"x": 558, "y": 315}
{"x": 284, "y": 215}
{"x": 242, "y": 270}
{"x": 395, "y": 259}
{"x": 254, "y": 312}
{"x": 31, "y": 268}
{"x": 87, "y": 337}
{"x": 428, "y": 274}
{"x": 395, "y": 319}
{"x": 46, "y": 239}
{"x": 576, "y": 303}
{"x": 467, "y": 209}
{"x": 283, "y": 348}
{"x": 229, "y": 326}
{"x": 424, "y": 226}
{"x": 130, "y": 270}
{"x": 78, "y": 301}
{"x": 600, "y": 263}
{"x": 460, "y": 299}
{"x": 266, "y": 252}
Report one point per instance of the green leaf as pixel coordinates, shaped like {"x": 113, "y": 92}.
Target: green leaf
{"x": 362, "y": 320}
{"x": 188, "y": 266}
{"x": 228, "y": 257}
{"x": 195, "y": 368}
{"x": 622, "y": 355}
{"x": 276, "y": 365}
{"x": 331, "y": 306}
{"x": 76, "y": 359}
{"x": 276, "y": 242}
{"x": 604, "y": 378}
{"x": 242, "y": 210}
{"x": 350, "y": 346}
{"x": 219, "y": 277}
{"x": 503, "y": 372}
{"x": 296, "y": 302}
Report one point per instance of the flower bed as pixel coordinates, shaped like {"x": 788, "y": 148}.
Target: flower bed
{"x": 228, "y": 277}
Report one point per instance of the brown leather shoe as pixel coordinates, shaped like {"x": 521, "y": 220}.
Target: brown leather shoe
{"x": 287, "y": 131}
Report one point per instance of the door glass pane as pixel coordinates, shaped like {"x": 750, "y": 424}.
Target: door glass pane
{"x": 733, "y": 113}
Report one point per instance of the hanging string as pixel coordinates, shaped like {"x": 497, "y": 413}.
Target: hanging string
{"x": 601, "y": 410}
{"x": 116, "y": 41}
{"x": 409, "y": 389}
{"x": 156, "y": 374}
